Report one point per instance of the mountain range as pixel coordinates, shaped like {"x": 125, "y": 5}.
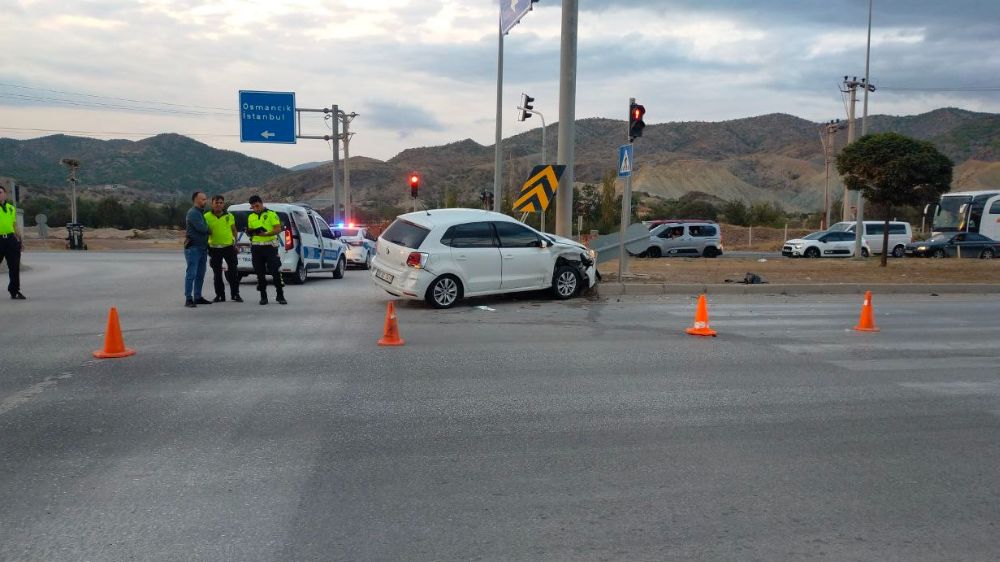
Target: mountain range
{"x": 776, "y": 157}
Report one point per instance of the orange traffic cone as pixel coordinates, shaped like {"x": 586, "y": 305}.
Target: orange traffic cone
{"x": 700, "y": 327}
{"x": 114, "y": 345}
{"x": 390, "y": 334}
{"x": 867, "y": 321}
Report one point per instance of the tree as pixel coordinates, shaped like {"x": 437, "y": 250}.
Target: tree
{"x": 610, "y": 204}
{"x": 890, "y": 170}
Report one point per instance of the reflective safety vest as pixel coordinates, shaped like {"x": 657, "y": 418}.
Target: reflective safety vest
{"x": 220, "y": 229}
{"x": 8, "y": 218}
{"x": 266, "y": 220}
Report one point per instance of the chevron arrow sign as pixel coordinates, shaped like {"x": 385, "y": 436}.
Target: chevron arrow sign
{"x": 538, "y": 191}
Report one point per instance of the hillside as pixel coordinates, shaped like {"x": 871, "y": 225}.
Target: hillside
{"x": 164, "y": 163}
{"x": 774, "y": 157}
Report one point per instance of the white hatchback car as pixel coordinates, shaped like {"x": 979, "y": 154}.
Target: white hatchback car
{"x": 825, "y": 244}
{"x": 444, "y": 255}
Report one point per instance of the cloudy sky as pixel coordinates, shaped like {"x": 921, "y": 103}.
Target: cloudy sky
{"x": 422, "y": 73}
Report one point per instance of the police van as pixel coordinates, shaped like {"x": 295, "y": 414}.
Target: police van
{"x": 306, "y": 244}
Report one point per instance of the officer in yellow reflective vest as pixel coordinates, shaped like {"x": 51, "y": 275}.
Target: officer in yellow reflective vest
{"x": 10, "y": 245}
{"x": 263, "y": 226}
{"x": 222, "y": 246}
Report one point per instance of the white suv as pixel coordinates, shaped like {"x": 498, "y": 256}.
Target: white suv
{"x": 444, "y": 255}
{"x": 824, "y": 244}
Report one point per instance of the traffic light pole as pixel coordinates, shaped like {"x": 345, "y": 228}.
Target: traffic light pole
{"x": 626, "y": 203}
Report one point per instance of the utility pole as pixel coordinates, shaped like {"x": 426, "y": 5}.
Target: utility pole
{"x": 498, "y": 156}
{"x": 866, "y": 84}
{"x": 851, "y": 87}
{"x": 567, "y": 116}
{"x": 335, "y": 142}
{"x": 830, "y": 129}
{"x": 348, "y": 210}
{"x": 73, "y": 165}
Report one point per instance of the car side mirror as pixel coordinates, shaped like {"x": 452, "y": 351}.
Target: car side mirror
{"x": 540, "y": 243}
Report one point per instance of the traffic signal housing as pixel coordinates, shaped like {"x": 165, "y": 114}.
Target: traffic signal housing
{"x": 414, "y": 184}
{"x": 525, "y": 107}
{"x": 635, "y": 123}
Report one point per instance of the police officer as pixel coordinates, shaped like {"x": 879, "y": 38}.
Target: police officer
{"x": 263, "y": 225}
{"x": 10, "y": 245}
{"x": 222, "y": 246}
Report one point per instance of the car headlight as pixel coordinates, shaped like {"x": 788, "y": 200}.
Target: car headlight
{"x": 592, "y": 254}
{"x": 797, "y": 246}
{"x": 921, "y": 248}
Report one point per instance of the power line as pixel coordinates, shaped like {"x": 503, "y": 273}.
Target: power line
{"x": 101, "y": 105}
{"x": 957, "y": 89}
{"x": 111, "y": 97}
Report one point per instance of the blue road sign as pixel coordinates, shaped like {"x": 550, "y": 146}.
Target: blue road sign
{"x": 625, "y": 160}
{"x": 267, "y": 117}
{"x": 511, "y": 12}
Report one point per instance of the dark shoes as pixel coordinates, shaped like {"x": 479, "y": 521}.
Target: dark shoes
{"x": 16, "y": 295}
{"x": 263, "y": 298}
{"x": 281, "y": 299}
{"x": 202, "y": 300}
{"x": 237, "y": 298}
{"x": 219, "y": 298}
{"x": 190, "y": 304}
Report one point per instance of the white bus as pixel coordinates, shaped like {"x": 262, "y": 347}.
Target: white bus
{"x": 969, "y": 211}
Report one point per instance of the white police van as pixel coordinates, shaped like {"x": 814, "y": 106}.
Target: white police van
{"x": 306, "y": 244}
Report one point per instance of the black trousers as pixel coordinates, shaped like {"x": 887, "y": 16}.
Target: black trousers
{"x": 10, "y": 250}
{"x": 265, "y": 262}
{"x": 215, "y": 259}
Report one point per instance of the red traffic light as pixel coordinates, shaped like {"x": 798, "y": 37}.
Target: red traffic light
{"x": 414, "y": 184}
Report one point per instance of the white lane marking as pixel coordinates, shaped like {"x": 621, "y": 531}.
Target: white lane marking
{"x": 24, "y": 396}
{"x": 957, "y": 388}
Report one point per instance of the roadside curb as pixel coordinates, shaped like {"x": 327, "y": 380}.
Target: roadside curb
{"x": 635, "y": 289}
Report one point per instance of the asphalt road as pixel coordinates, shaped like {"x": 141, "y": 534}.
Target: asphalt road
{"x": 528, "y": 430}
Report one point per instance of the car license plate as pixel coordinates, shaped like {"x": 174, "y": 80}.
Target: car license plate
{"x": 384, "y": 276}
{"x": 244, "y": 249}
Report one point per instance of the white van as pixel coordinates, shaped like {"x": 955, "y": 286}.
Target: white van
{"x": 306, "y": 243}
{"x": 900, "y": 234}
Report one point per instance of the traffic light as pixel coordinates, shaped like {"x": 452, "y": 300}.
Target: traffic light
{"x": 525, "y": 107}
{"x": 414, "y": 184}
{"x": 635, "y": 122}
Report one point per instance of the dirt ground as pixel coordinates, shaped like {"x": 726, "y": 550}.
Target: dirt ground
{"x": 806, "y": 271}
{"x": 107, "y": 239}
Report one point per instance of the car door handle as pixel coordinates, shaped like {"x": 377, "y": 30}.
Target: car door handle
{"x": 508, "y": 256}
{"x": 461, "y": 258}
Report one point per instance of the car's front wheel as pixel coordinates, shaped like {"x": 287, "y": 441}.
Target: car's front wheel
{"x": 864, "y": 252}
{"x": 565, "y": 282}
{"x": 654, "y": 252}
{"x": 898, "y": 251}
{"x": 444, "y": 292}
{"x": 711, "y": 252}
{"x": 938, "y": 253}
{"x": 987, "y": 254}
{"x": 338, "y": 272}
{"x": 811, "y": 252}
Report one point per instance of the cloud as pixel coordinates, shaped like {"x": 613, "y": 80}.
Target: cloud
{"x": 404, "y": 118}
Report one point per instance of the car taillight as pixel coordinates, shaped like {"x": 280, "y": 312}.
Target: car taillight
{"x": 356, "y": 243}
{"x": 416, "y": 259}
{"x": 289, "y": 243}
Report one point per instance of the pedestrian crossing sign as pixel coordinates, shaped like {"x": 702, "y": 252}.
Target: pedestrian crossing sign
{"x": 625, "y": 160}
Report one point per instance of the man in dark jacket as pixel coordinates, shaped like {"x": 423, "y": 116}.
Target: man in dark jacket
{"x": 195, "y": 251}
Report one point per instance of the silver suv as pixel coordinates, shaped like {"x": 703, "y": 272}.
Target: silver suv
{"x": 691, "y": 239}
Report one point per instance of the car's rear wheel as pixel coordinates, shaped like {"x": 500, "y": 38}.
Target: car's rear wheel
{"x": 987, "y": 254}
{"x": 711, "y": 252}
{"x": 938, "y": 253}
{"x": 444, "y": 292}
{"x": 811, "y": 253}
{"x": 898, "y": 251}
{"x": 300, "y": 276}
{"x": 654, "y": 252}
{"x": 565, "y": 282}
{"x": 864, "y": 252}
{"x": 368, "y": 261}
{"x": 338, "y": 272}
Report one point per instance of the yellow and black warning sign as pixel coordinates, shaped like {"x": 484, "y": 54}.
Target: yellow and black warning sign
{"x": 540, "y": 189}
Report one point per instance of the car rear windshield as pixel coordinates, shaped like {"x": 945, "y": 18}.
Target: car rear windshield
{"x": 406, "y": 234}
{"x": 348, "y": 232}
{"x": 241, "y": 219}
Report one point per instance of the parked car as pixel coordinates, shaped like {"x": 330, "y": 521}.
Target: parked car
{"x": 685, "y": 238}
{"x": 306, "y": 244}
{"x": 360, "y": 245}
{"x": 955, "y": 244}
{"x": 900, "y": 234}
{"x": 444, "y": 255}
{"x": 824, "y": 244}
